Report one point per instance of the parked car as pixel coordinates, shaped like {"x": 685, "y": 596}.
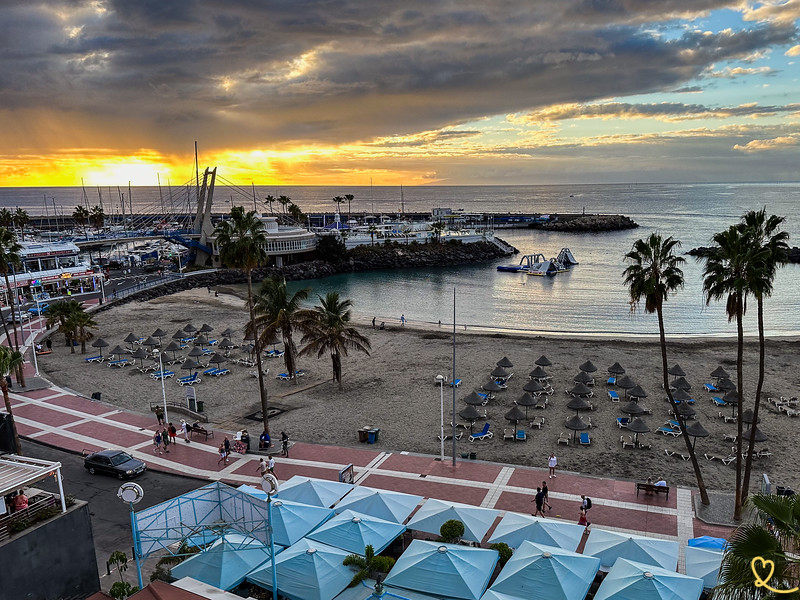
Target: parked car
{"x": 17, "y": 317}
{"x": 114, "y": 462}
{"x": 38, "y": 310}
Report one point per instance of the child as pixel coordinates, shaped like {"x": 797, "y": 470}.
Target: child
{"x": 583, "y": 521}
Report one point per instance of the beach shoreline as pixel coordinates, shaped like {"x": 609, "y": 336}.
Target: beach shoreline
{"x": 395, "y": 390}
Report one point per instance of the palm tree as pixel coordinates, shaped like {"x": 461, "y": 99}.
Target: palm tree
{"x": 284, "y": 201}
{"x": 81, "y": 215}
{"x": 21, "y": 219}
{"x": 269, "y": 200}
{"x": 326, "y": 330}
{"x": 654, "y": 274}
{"x": 58, "y": 313}
{"x": 725, "y": 275}
{"x": 349, "y": 198}
{"x": 6, "y": 218}
{"x": 242, "y": 241}
{"x": 98, "y": 217}
{"x": 10, "y": 361}
{"x": 79, "y": 323}
{"x": 437, "y": 229}
{"x": 278, "y": 311}
{"x": 769, "y": 251}
{"x": 772, "y": 534}
{"x": 368, "y": 565}
{"x": 9, "y": 255}
{"x": 338, "y": 200}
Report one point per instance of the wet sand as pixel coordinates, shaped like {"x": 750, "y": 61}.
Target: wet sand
{"x": 395, "y": 389}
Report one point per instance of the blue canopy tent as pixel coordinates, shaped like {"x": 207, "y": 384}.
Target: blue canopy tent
{"x": 308, "y": 570}
{"x": 703, "y": 563}
{"x": 628, "y": 580}
{"x": 255, "y": 492}
{"x": 317, "y": 492}
{"x": 547, "y": 572}
{"x": 608, "y": 546}
{"x": 353, "y": 532}
{"x": 706, "y": 541}
{"x": 226, "y": 563}
{"x": 515, "y": 528}
{"x": 384, "y": 504}
{"x": 433, "y": 514}
{"x": 445, "y": 570}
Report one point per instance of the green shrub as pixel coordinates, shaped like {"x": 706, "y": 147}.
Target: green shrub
{"x": 504, "y": 550}
{"x": 451, "y": 531}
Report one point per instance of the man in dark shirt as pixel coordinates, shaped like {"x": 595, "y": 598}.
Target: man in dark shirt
{"x": 539, "y": 500}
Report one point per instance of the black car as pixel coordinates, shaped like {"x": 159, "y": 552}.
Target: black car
{"x": 115, "y": 462}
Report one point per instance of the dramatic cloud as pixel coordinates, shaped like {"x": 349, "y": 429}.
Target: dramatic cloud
{"x": 667, "y": 111}
{"x": 773, "y": 144}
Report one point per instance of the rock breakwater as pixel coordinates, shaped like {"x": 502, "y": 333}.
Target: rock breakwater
{"x": 589, "y": 224}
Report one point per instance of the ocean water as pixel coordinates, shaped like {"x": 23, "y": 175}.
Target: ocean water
{"x": 591, "y": 299}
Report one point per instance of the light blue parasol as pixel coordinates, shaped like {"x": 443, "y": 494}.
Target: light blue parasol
{"x": 317, "y": 492}
{"x": 630, "y": 580}
{"x": 226, "y": 563}
{"x": 353, "y": 532}
{"x": 306, "y": 571}
{"x": 608, "y": 546}
{"x": 444, "y": 570}
{"x": 515, "y": 528}
{"x": 384, "y": 504}
{"x": 433, "y": 514}
{"x": 540, "y": 571}
{"x": 703, "y": 563}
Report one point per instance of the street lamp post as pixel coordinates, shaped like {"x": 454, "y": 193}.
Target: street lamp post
{"x": 441, "y": 379}
{"x": 163, "y": 388}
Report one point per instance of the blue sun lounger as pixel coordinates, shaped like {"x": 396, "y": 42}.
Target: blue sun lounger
{"x": 611, "y": 381}
{"x": 162, "y": 374}
{"x": 669, "y": 431}
{"x": 455, "y": 383}
{"x": 710, "y": 387}
{"x": 719, "y": 401}
{"x": 614, "y": 396}
{"x": 623, "y": 422}
{"x": 220, "y": 372}
{"x": 585, "y": 440}
{"x": 484, "y": 434}
{"x": 92, "y": 359}
{"x": 189, "y": 380}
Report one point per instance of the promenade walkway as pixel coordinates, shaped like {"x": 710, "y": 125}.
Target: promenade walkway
{"x": 72, "y": 422}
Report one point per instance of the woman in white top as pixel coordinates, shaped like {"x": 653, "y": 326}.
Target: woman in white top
{"x": 551, "y": 464}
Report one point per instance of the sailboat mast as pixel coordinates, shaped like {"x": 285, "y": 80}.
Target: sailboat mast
{"x": 160, "y": 193}
{"x": 402, "y": 201}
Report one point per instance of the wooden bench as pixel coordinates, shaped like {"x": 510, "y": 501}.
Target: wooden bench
{"x": 196, "y": 430}
{"x": 651, "y": 487}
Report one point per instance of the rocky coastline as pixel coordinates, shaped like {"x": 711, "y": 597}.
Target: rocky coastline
{"x": 363, "y": 258}
{"x": 588, "y": 224}
{"x": 704, "y": 251}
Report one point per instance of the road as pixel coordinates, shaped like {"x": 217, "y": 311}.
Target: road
{"x": 110, "y": 516}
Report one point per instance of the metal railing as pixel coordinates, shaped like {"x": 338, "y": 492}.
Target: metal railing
{"x": 145, "y": 285}
{"x": 20, "y": 520}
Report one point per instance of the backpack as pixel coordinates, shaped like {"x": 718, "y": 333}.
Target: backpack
{"x": 588, "y": 503}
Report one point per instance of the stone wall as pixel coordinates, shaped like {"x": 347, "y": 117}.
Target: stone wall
{"x": 589, "y": 224}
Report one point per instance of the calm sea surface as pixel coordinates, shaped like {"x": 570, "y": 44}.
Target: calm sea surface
{"x": 590, "y": 299}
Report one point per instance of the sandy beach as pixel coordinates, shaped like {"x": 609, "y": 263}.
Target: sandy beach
{"x": 394, "y": 389}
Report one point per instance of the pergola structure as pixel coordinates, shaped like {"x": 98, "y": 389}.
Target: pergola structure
{"x": 18, "y": 472}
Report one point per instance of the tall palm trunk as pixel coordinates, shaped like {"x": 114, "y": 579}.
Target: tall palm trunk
{"x": 12, "y": 342}
{"x": 7, "y": 400}
{"x": 761, "y": 351}
{"x": 337, "y": 367}
{"x": 261, "y": 389}
{"x": 290, "y": 350}
{"x": 737, "y": 506}
{"x": 681, "y": 421}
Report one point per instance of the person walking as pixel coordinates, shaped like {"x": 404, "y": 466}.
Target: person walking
{"x": 185, "y": 431}
{"x": 551, "y": 465}
{"x": 284, "y": 444}
{"x": 262, "y": 467}
{"x": 227, "y": 443}
{"x": 165, "y": 440}
{"x": 49, "y": 343}
{"x": 271, "y": 466}
{"x": 546, "y": 495}
{"x": 159, "y": 415}
{"x": 173, "y": 433}
{"x": 157, "y": 442}
{"x": 539, "y": 500}
{"x": 586, "y": 503}
{"x": 402, "y": 320}
{"x": 222, "y": 456}
{"x": 373, "y": 322}
{"x": 582, "y": 520}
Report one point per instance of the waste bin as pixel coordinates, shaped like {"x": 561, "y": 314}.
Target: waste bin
{"x": 200, "y": 404}
{"x": 362, "y": 436}
{"x": 96, "y": 396}
{"x": 192, "y": 404}
{"x": 473, "y": 455}
{"x": 372, "y": 435}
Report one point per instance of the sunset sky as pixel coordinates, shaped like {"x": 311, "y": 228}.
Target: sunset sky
{"x": 417, "y": 92}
